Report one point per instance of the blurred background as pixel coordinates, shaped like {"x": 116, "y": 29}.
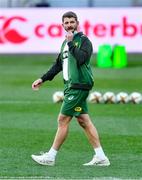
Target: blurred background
{"x": 30, "y": 38}
{"x": 73, "y": 3}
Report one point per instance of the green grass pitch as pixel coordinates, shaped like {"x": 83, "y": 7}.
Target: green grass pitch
{"x": 28, "y": 122}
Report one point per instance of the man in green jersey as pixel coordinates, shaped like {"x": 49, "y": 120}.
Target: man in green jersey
{"x": 74, "y": 61}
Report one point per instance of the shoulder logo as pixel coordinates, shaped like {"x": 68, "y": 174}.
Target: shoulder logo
{"x": 76, "y": 44}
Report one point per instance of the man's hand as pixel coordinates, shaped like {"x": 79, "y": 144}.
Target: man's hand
{"x": 36, "y": 84}
{"x": 69, "y": 36}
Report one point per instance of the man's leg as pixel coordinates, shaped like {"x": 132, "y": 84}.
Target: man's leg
{"x": 90, "y": 130}
{"x": 62, "y": 131}
{"x": 48, "y": 158}
{"x": 93, "y": 137}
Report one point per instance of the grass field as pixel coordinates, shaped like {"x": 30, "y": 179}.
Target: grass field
{"x": 28, "y": 122}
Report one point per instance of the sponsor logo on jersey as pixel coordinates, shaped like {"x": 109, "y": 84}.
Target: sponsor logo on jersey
{"x": 65, "y": 54}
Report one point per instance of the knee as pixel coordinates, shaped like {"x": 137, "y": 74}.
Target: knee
{"x": 81, "y": 122}
{"x": 63, "y": 121}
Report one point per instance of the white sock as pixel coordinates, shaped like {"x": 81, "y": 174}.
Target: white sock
{"x": 52, "y": 152}
{"x": 99, "y": 152}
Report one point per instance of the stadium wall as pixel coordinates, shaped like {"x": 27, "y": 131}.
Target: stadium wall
{"x": 34, "y": 30}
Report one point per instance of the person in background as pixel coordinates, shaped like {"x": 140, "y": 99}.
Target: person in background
{"x": 74, "y": 61}
{"x": 42, "y": 3}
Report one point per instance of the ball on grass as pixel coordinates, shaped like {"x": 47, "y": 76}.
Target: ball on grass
{"x": 58, "y": 96}
{"x": 135, "y": 97}
{"x": 109, "y": 97}
{"x": 122, "y": 97}
{"x": 95, "y": 97}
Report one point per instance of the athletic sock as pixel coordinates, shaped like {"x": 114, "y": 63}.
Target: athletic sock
{"x": 52, "y": 152}
{"x": 99, "y": 152}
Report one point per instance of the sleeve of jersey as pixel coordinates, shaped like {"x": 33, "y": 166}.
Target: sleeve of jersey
{"x": 83, "y": 53}
{"x": 53, "y": 71}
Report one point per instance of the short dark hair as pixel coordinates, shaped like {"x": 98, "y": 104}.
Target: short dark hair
{"x": 69, "y": 14}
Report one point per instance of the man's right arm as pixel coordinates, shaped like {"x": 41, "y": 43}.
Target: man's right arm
{"x": 51, "y": 73}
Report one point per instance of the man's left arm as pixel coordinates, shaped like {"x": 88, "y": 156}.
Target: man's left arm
{"x": 83, "y": 53}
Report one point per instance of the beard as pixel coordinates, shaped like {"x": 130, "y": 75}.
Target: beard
{"x": 71, "y": 29}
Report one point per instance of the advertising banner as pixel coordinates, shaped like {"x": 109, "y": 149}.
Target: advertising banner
{"x": 33, "y": 30}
